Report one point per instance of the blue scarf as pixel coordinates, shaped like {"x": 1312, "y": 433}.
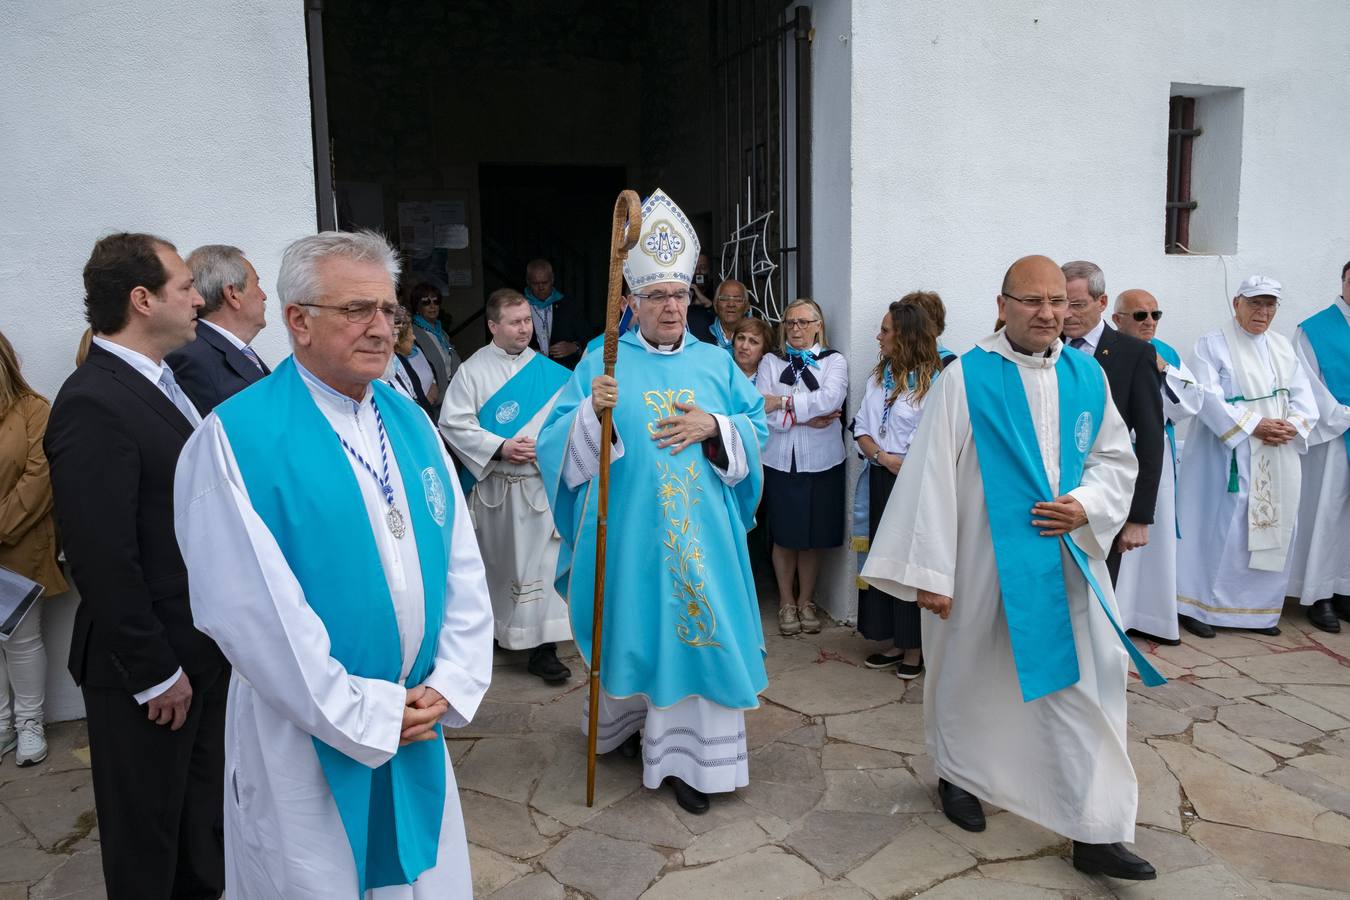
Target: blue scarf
{"x": 719, "y": 333}
{"x": 306, "y": 493}
{"x": 800, "y": 364}
{"x": 1328, "y": 334}
{"x": 436, "y": 329}
{"x": 548, "y": 301}
{"x": 1030, "y": 569}
{"x": 1172, "y": 358}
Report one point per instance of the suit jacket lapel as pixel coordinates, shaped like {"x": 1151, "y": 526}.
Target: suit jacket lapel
{"x": 234, "y": 357}
{"x": 142, "y": 387}
{"x": 1104, "y": 342}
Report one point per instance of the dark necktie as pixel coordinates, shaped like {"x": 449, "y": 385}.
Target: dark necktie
{"x": 1078, "y": 343}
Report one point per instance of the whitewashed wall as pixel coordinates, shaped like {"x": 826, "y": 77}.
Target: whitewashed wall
{"x": 981, "y": 132}
{"x": 190, "y": 121}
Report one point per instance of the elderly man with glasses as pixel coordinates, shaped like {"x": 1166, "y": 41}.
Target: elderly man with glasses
{"x": 333, "y": 560}
{"x": 683, "y": 647}
{"x": 1146, "y": 588}
{"x": 1238, "y": 490}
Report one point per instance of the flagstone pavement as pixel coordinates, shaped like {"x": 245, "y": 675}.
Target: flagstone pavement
{"x": 1244, "y": 791}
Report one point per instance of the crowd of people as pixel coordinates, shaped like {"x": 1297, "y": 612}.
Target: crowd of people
{"x": 317, "y": 559}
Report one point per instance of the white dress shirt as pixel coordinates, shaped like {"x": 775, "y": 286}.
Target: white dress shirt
{"x": 1090, "y": 340}
{"x": 901, "y": 423}
{"x": 813, "y": 449}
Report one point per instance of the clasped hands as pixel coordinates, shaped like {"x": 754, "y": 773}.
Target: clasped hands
{"x": 1274, "y": 431}
{"x": 424, "y": 708}
{"x": 691, "y": 426}
{"x": 1055, "y": 518}
{"x": 518, "y": 450}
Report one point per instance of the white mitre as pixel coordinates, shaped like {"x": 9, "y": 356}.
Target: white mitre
{"x": 667, "y": 249}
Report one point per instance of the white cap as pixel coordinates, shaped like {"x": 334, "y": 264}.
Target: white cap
{"x": 667, "y": 249}
{"x": 1260, "y": 286}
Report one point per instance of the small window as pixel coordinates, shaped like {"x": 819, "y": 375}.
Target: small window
{"x": 1204, "y": 168}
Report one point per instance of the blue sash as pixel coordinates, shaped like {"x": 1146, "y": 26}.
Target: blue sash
{"x": 301, "y": 484}
{"x": 1329, "y": 335}
{"x": 517, "y": 402}
{"x": 553, "y": 297}
{"x": 1030, "y": 569}
{"x": 1172, "y": 358}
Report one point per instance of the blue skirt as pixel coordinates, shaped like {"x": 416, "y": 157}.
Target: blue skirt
{"x": 804, "y": 510}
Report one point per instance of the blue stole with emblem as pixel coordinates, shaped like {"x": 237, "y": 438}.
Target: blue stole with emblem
{"x": 1030, "y": 568}
{"x": 1172, "y": 358}
{"x": 517, "y": 402}
{"x": 1329, "y": 334}
{"x": 302, "y": 486}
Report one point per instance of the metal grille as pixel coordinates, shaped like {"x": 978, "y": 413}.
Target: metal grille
{"x": 1181, "y": 135}
{"x": 762, "y": 80}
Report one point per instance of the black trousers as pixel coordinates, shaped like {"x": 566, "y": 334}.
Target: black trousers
{"x": 159, "y": 794}
{"x": 882, "y": 617}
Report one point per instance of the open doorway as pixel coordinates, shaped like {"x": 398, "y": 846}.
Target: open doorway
{"x": 480, "y": 134}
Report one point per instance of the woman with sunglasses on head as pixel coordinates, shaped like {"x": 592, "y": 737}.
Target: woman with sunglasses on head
{"x": 804, "y": 393}
{"x": 891, "y": 408}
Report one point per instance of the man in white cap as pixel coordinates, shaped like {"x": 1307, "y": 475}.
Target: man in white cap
{"x": 1319, "y": 567}
{"x": 1147, "y": 585}
{"x": 1238, "y": 491}
{"x": 683, "y": 647}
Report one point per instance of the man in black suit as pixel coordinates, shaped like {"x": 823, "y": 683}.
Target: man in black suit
{"x": 1131, "y": 367}
{"x": 154, "y": 686}
{"x": 561, "y": 329}
{"x": 220, "y": 363}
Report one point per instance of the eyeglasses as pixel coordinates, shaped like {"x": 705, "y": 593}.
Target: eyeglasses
{"x": 362, "y": 312}
{"x": 1037, "y": 302}
{"x": 1140, "y": 315}
{"x": 1262, "y": 305}
{"x": 799, "y": 323}
{"x": 734, "y": 297}
{"x": 662, "y": 297}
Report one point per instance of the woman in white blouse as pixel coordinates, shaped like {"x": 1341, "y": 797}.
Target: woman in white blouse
{"x": 804, "y": 393}
{"x": 896, "y": 390}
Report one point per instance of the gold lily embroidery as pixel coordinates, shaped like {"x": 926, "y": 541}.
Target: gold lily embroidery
{"x": 662, "y": 404}
{"x": 1262, "y": 502}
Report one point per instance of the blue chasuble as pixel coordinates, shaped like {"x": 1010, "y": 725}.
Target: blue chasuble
{"x": 1030, "y": 567}
{"x": 1329, "y": 334}
{"x": 1172, "y": 358}
{"x": 517, "y": 402}
{"x": 303, "y": 488}
{"x": 681, "y": 614}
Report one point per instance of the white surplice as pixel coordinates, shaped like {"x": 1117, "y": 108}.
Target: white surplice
{"x": 1319, "y": 565}
{"x": 284, "y": 839}
{"x": 509, "y": 506}
{"x": 700, "y": 742}
{"x": 1060, "y": 760}
{"x": 1215, "y": 580}
{"x": 1146, "y": 587}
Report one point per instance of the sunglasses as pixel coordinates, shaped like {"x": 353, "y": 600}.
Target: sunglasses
{"x": 1140, "y": 315}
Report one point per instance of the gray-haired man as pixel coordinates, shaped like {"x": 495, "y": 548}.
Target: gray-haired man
{"x": 220, "y": 363}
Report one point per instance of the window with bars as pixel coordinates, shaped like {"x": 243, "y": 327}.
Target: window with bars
{"x": 1204, "y": 168}
{"x": 1181, "y": 135}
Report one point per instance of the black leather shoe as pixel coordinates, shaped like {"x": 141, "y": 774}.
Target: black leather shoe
{"x": 961, "y": 806}
{"x": 1169, "y": 642}
{"x": 1323, "y": 615}
{"x": 631, "y": 745}
{"x": 690, "y": 799}
{"x": 1196, "y": 627}
{"x": 1273, "y": 630}
{"x": 1113, "y": 860}
{"x": 1341, "y": 604}
{"x": 545, "y": 664}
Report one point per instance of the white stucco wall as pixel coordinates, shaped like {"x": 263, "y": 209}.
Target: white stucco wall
{"x": 981, "y": 132}
{"x": 190, "y": 121}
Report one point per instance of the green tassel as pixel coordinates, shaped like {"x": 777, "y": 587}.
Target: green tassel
{"x": 1233, "y": 473}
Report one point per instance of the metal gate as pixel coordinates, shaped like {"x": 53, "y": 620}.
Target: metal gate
{"x": 762, "y": 85}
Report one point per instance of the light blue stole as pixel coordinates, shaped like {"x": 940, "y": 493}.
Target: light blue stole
{"x": 517, "y": 402}
{"x": 1172, "y": 358}
{"x": 553, "y": 297}
{"x": 1329, "y": 334}
{"x": 720, "y": 335}
{"x": 1030, "y": 568}
{"x": 302, "y": 485}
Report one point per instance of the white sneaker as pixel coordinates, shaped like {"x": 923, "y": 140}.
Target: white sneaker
{"x": 8, "y": 741}
{"x": 32, "y": 743}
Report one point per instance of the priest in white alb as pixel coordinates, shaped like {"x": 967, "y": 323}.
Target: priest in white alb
{"x": 1319, "y": 566}
{"x": 1146, "y": 588}
{"x": 332, "y": 559}
{"x": 1238, "y": 489}
{"x": 1018, "y": 480}
{"x": 491, "y": 416}
{"x": 683, "y": 646}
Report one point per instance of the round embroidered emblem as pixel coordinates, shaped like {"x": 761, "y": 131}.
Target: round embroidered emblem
{"x": 663, "y": 243}
{"x": 435, "y": 492}
{"x": 1082, "y": 432}
{"x": 507, "y": 412}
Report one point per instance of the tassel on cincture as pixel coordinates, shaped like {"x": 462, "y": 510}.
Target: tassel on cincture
{"x": 1233, "y": 473}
